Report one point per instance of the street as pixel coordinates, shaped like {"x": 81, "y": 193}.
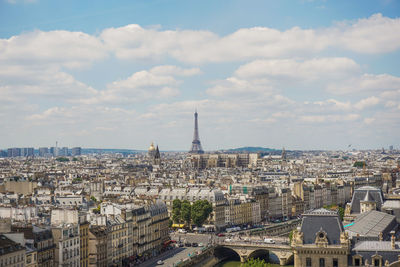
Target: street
{"x": 175, "y": 255}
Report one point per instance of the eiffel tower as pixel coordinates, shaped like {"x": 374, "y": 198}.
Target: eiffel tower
{"x": 196, "y": 145}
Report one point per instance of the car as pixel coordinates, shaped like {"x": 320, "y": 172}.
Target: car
{"x": 182, "y": 231}
{"x": 228, "y": 240}
{"x": 188, "y": 244}
{"x": 160, "y": 262}
{"x": 201, "y": 245}
{"x": 269, "y": 241}
{"x": 181, "y": 245}
{"x": 194, "y": 244}
{"x": 220, "y": 235}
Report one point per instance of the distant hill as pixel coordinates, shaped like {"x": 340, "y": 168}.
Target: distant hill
{"x": 252, "y": 149}
{"x": 108, "y": 150}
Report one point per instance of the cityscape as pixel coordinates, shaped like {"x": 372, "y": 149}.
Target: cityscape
{"x": 189, "y": 134}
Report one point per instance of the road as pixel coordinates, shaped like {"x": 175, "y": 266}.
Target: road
{"x": 171, "y": 257}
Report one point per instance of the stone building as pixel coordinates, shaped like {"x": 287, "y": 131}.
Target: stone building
{"x": 84, "y": 240}
{"x": 320, "y": 241}
{"x": 66, "y": 238}
{"x": 42, "y": 242}
{"x": 97, "y": 246}
{"x": 12, "y": 254}
{"x": 364, "y": 199}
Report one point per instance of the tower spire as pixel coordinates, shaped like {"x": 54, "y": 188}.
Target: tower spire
{"x": 196, "y": 145}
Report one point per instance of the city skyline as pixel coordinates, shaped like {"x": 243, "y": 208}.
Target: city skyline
{"x": 301, "y": 74}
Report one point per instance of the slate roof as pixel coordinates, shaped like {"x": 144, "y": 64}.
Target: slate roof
{"x": 8, "y": 246}
{"x": 371, "y": 224}
{"x": 321, "y": 219}
{"x": 391, "y": 204}
{"x": 374, "y": 194}
{"x": 383, "y": 248}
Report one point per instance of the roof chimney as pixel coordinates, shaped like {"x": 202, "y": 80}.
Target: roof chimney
{"x": 393, "y": 240}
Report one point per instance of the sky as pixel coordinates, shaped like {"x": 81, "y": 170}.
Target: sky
{"x": 299, "y": 74}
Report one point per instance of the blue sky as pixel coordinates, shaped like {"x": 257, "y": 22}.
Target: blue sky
{"x": 300, "y": 74}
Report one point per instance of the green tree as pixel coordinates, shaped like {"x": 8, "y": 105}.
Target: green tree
{"x": 176, "y": 210}
{"x": 186, "y": 212}
{"x": 359, "y": 164}
{"x": 93, "y": 199}
{"x": 201, "y": 209}
{"x": 291, "y": 236}
{"x": 62, "y": 159}
{"x": 341, "y": 212}
{"x": 255, "y": 263}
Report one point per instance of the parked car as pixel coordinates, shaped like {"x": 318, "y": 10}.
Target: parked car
{"x": 188, "y": 244}
{"x": 201, "y": 245}
{"x": 220, "y": 234}
{"x": 160, "y": 262}
{"x": 194, "y": 244}
{"x": 181, "y": 245}
{"x": 228, "y": 240}
{"x": 269, "y": 241}
{"x": 182, "y": 231}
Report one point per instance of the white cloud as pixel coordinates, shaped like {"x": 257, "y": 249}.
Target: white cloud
{"x": 317, "y": 68}
{"x": 240, "y": 87}
{"x": 376, "y": 34}
{"x": 329, "y": 118}
{"x": 367, "y": 102}
{"x": 59, "y": 48}
{"x": 157, "y": 83}
{"x": 366, "y": 83}
{"x": 23, "y": 83}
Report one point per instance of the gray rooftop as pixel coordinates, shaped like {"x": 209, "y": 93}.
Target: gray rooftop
{"x": 321, "y": 219}
{"x": 371, "y": 224}
{"x": 366, "y": 192}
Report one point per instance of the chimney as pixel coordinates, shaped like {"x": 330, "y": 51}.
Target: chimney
{"x": 393, "y": 240}
{"x": 380, "y": 236}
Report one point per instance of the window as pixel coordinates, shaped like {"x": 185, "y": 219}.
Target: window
{"x": 335, "y": 263}
{"x": 321, "y": 262}
{"x": 376, "y": 262}
{"x": 308, "y": 262}
{"x": 357, "y": 262}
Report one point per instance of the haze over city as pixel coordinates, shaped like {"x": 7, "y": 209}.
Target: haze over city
{"x": 295, "y": 74}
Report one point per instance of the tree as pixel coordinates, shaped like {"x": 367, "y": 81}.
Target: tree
{"x": 255, "y": 263}
{"x": 341, "y": 212}
{"x": 93, "y": 199}
{"x": 359, "y": 164}
{"x": 201, "y": 209}
{"x": 62, "y": 159}
{"x": 176, "y": 210}
{"x": 186, "y": 212}
{"x": 291, "y": 236}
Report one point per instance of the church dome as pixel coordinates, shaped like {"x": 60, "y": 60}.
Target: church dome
{"x": 152, "y": 148}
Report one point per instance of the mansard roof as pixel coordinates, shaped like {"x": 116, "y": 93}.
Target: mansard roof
{"x": 323, "y": 220}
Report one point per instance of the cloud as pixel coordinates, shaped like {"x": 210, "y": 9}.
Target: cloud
{"x": 58, "y": 48}
{"x": 317, "y": 68}
{"x": 156, "y": 83}
{"x": 367, "y": 102}
{"x": 21, "y": 83}
{"x": 329, "y": 118}
{"x": 374, "y": 35}
{"x": 365, "y": 83}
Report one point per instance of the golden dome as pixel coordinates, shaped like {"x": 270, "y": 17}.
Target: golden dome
{"x": 152, "y": 148}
